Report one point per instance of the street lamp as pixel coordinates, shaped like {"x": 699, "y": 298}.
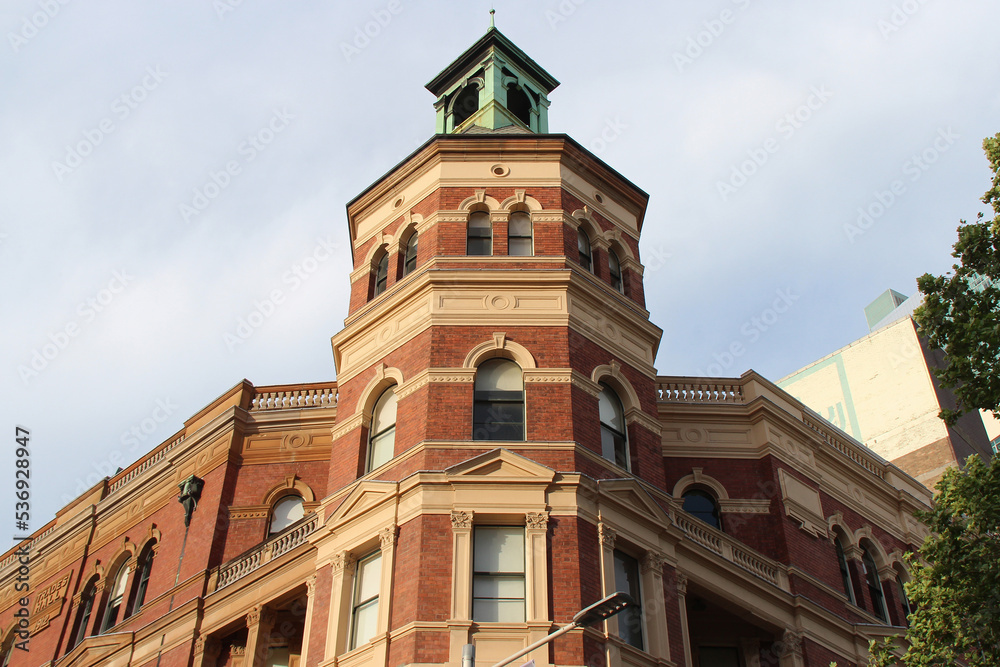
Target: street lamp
{"x": 599, "y": 611}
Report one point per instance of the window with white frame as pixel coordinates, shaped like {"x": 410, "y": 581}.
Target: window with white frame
{"x": 286, "y": 511}
{"x": 519, "y": 234}
{"x": 410, "y": 255}
{"x": 115, "y": 599}
{"x": 627, "y": 581}
{"x": 364, "y": 603}
{"x": 382, "y": 438}
{"x": 498, "y": 574}
{"x": 480, "y": 234}
{"x": 614, "y": 440}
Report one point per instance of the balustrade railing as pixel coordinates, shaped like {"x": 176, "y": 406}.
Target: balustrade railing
{"x": 277, "y": 546}
{"x": 681, "y": 391}
{"x": 266, "y": 398}
{"x": 740, "y": 556}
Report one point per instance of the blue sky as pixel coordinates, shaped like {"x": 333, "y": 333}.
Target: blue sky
{"x": 168, "y": 166}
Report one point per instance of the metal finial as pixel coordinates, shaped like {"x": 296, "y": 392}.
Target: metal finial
{"x": 492, "y": 22}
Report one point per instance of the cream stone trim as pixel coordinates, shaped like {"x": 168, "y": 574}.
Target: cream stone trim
{"x": 612, "y": 374}
{"x": 479, "y": 198}
{"x": 384, "y": 243}
{"x": 635, "y": 416}
{"x": 698, "y": 478}
{"x": 519, "y": 197}
{"x": 385, "y": 377}
{"x": 745, "y": 506}
{"x": 803, "y": 504}
{"x": 583, "y": 382}
{"x": 499, "y": 346}
{"x": 441, "y": 375}
{"x": 613, "y": 237}
{"x": 290, "y": 484}
{"x": 548, "y": 376}
{"x": 249, "y": 512}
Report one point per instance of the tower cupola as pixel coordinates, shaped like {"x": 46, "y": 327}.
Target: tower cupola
{"x": 492, "y": 87}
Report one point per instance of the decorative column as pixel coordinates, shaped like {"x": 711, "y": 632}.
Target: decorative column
{"x": 206, "y": 652}
{"x": 791, "y": 649}
{"x": 682, "y": 589}
{"x": 536, "y": 578}
{"x": 890, "y": 596}
{"x": 342, "y": 566}
{"x": 460, "y": 622}
{"x": 307, "y": 622}
{"x": 612, "y": 653}
{"x": 654, "y": 606}
{"x": 380, "y": 642}
{"x": 260, "y": 621}
{"x": 751, "y": 652}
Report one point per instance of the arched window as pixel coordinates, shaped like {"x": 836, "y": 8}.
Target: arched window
{"x": 703, "y": 505}
{"x": 845, "y": 572}
{"x": 382, "y": 434}
{"x": 381, "y": 274}
{"x": 614, "y": 440}
{"x": 519, "y": 104}
{"x": 583, "y": 245}
{"x": 286, "y": 511}
{"x": 903, "y": 599}
{"x": 83, "y": 616}
{"x": 616, "y": 271}
{"x": 115, "y": 598}
{"x": 466, "y": 104}
{"x": 874, "y": 585}
{"x": 498, "y": 406}
{"x": 144, "y": 567}
{"x": 519, "y": 234}
{"x": 410, "y": 256}
{"x": 480, "y": 238}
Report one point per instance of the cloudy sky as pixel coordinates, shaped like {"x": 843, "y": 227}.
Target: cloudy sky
{"x": 799, "y": 157}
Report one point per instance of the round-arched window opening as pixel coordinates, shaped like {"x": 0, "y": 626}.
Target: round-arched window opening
{"x": 614, "y": 439}
{"x": 498, "y": 401}
{"x": 286, "y": 511}
{"x": 586, "y": 254}
{"x": 703, "y": 506}
{"x": 466, "y": 104}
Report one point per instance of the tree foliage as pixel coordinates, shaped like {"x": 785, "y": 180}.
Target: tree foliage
{"x": 961, "y": 311}
{"x": 954, "y": 588}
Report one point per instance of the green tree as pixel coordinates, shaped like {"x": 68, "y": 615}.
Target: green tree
{"x": 954, "y": 588}
{"x": 961, "y": 311}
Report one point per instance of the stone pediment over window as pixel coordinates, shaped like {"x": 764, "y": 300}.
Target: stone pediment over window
{"x": 361, "y": 500}
{"x": 93, "y": 650}
{"x": 631, "y": 498}
{"x": 502, "y": 465}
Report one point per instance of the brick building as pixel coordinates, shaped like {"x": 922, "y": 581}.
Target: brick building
{"x": 497, "y": 453}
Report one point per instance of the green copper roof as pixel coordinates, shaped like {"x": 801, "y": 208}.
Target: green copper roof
{"x": 492, "y": 85}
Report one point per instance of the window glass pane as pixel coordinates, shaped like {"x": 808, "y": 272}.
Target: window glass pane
{"x": 365, "y": 623}
{"x": 627, "y": 581}
{"x": 480, "y": 247}
{"x": 383, "y": 448}
{"x": 499, "y": 374}
{"x": 499, "y": 549}
{"x": 287, "y": 511}
{"x": 519, "y": 247}
{"x": 493, "y": 586}
{"x": 583, "y": 245}
{"x": 616, "y": 270}
{"x": 498, "y": 611}
{"x": 384, "y": 413}
{"x": 520, "y": 224}
{"x": 410, "y": 259}
{"x": 277, "y": 656}
{"x": 613, "y": 447}
{"x": 119, "y": 589}
{"x": 479, "y": 222}
{"x": 703, "y": 506}
{"x": 369, "y": 573}
{"x": 611, "y": 409}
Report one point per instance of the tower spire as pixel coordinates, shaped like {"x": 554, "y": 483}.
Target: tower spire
{"x": 492, "y": 14}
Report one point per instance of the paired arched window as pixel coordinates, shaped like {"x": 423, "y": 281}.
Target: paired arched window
{"x": 704, "y": 506}
{"x": 586, "y": 254}
{"x": 614, "y": 439}
{"x": 115, "y": 598}
{"x": 382, "y": 434}
{"x": 498, "y": 401}
{"x": 615, "y": 267}
{"x": 480, "y": 234}
{"x": 845, "y": 572}
{"x": 286, "y": 511}
{"x": 143, "y": 569}
{"x": 381, "y": 274}
{"x": 519, "y": 234}
{"x": 874, "y": 584}
{"x": 410, "y": 255}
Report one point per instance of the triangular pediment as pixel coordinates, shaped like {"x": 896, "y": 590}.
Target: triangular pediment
{"x": 629, "y": 496}
{"x": 499, "y": 464}
{"x": 93, "y": 650}
{"x": 363, "y": 498}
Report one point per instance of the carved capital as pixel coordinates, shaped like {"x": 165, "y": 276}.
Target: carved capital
{"x": 342, "y": 561}
{"x": 311, "y": 587}
{"x": 199, "y": 646}
{"x": 537, "y": 520}
{"x": 237, "y": 651}
{"x": 253, "y": 616}
{"x": 682, "y": 584}
{"x": 607, "y": 534}
{"x": 652, "y": 562}
{"x": 387, "y": 536}
{"x": 791, "y": 643}
{"x": 461, "y": 519}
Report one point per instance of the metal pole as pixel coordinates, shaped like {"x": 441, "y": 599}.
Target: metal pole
{"x": 541, "y": 642}
{"x": 469, "y": 655}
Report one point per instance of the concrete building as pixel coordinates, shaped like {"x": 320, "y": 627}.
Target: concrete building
{"x": 496, "y": 453}
{"x": 881, "y": 390}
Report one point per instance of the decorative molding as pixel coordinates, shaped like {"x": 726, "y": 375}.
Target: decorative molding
{"x": 461, "y": 520}
{"x": 607, "y": 534}
{"x": 311, "y": 587}
{"x": 548, "y": 375}
{"x": 682, "y": 584}
{"x": 802, "y": 503}
{"x": 537, "y": 520}
{"x": 387, "y": 536}
{"x": 237, "y": 651}
{"x": 250, "y": 512}
{"x": 342, "y": 561}
{"x": 652, "y": 562}
{"x": 791, "y": 643}
{"x": 253, "y": 616}
{"x": 745, "y": 506}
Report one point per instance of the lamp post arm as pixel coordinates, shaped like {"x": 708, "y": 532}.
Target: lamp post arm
{"x": 541, "y": 642}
